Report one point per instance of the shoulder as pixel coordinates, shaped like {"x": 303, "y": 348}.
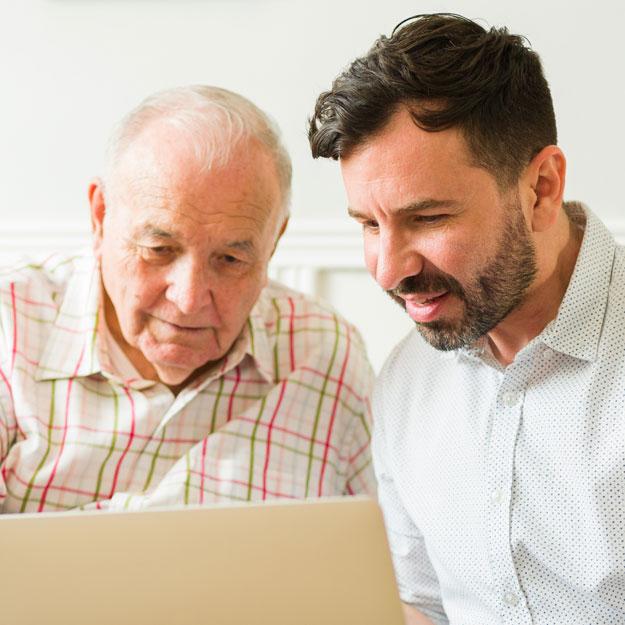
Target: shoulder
{"x": 411, "y": 358}
{"x": 414, "y": 374}
{"x": 33, "y": 290}
{"x": 301, "y": 314}
{"x": 46, "y": 276}
{"x": 305, "y": 332}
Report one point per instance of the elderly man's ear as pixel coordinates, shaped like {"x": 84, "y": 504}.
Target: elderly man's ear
{"x": 280, "y": 233}
{"x": 98, "y": 210}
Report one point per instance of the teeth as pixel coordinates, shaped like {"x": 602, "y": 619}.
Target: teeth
{"x": 426, "y": 301}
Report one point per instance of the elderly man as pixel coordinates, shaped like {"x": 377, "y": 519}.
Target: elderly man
{"x": 165, "y": 368}
{"x": 499, "y": 421}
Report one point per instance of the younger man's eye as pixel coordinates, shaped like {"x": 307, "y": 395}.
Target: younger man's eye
{"x": 431, "y": 219}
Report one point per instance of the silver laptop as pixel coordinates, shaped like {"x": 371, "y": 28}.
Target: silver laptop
{"x": 318, "y": 562}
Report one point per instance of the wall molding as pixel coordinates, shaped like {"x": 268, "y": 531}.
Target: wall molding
{"x": 306, "y": 242}
{"x": 309, "y": 247}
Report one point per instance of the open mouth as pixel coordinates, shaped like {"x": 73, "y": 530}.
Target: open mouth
{"x": 427, "y": 301}
{"x": 423, "y": 309}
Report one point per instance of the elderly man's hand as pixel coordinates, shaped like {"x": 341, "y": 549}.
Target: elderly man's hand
{"x": 414, "y": 617}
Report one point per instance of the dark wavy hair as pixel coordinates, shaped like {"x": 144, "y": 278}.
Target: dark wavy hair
{"x": 449, "y": 72}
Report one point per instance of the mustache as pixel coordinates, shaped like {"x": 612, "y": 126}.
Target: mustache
{"x": 424, "y": 284}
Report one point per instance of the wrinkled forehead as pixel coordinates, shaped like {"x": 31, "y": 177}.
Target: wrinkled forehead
{"x": 161, "y": 171}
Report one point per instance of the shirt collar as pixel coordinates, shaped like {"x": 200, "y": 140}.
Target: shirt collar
{"x": 72, "y": 349}
{"x": 576, "y": 330}
{"x": 254, "y": 340}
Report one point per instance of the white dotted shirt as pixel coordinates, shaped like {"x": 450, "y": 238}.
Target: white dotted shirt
{"x": 504, "y": 489}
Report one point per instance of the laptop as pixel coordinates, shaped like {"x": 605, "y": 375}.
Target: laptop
{"x": 316, "y": 562}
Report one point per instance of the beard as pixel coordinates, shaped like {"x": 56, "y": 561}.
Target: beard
{"x": 500, "y": 287}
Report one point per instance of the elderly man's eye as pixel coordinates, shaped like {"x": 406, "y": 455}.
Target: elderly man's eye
{"x": 231, "y": 265}
{"x": 156, "y": 253}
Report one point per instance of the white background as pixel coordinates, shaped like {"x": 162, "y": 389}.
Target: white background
{"x": 69, "y": 69}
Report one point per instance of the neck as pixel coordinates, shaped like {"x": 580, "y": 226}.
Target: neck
{"x": 557, "y": 252}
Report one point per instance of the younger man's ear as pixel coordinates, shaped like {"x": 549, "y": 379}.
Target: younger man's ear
{"x": 98, "y": 210}
{"x": 545, "y": 181}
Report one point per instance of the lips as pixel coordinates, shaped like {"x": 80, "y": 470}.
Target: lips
{"x": 185, "y": 328}
{"x": 181, "y": 328}
{"x": 425, "y": 307}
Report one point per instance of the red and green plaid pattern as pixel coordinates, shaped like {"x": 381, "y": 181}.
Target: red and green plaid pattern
{"x": 283, "y": 416}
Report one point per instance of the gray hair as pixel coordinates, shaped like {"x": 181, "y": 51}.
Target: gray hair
{"x": 215, "y": 119}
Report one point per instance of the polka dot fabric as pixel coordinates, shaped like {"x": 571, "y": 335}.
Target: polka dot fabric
{"x": 504, "y": 489}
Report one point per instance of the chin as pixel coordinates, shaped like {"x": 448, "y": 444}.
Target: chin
{"x": 175, "y": 372}
{"x": 173, "y": 376}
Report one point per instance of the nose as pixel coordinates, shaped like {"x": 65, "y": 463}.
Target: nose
{"x": 189, "y": 286}
{"x": 396, "y": 258}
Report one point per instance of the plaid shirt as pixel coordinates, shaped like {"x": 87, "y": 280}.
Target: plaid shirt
{"x": 282, "y": 415}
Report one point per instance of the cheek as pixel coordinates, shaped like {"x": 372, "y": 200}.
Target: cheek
{"x": 450, "y": 252}
{"x": 371, "y": 255}
{"x": 131, "y": 286}
{"x": 235, "y": 298}
{"x": 144, "y": 290}
{"x": 146, "y": 287}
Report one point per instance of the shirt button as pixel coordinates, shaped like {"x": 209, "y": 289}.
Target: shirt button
{"x": 509, "y": 398}
{"x": 548, "y": 354}
{"x": 510, "y": 598}
{"x": 496, "y": 496}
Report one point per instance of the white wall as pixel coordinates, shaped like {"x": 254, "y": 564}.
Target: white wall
{"x": 71, "y": 68}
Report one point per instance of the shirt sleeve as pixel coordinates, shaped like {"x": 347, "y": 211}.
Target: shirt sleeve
{"x": 7, "y": 413}
{"x": 416, "y": 578}
{"x": 360, "y": 477}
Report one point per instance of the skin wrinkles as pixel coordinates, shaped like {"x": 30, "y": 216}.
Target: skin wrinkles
{"x": 183, "y": 252}
{"x": 153, "y": 232}
{"x": 411, "y": 209}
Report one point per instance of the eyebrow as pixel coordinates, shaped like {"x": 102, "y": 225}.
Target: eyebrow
{"x": 414, "y": 207}
{"x": 245, "y": 245}
{"x": 153, "y": 231}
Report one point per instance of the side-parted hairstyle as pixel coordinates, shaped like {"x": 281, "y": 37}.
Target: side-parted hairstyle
{"x": 449, "y": 72}
{"x": 215, "y": 121}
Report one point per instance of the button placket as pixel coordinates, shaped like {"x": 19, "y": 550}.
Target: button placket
{"x": 509, "y": 398}
{"x": 510, "y": 598}
{"x": 497, "y": 496}
{"x": 506, "y": 415}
